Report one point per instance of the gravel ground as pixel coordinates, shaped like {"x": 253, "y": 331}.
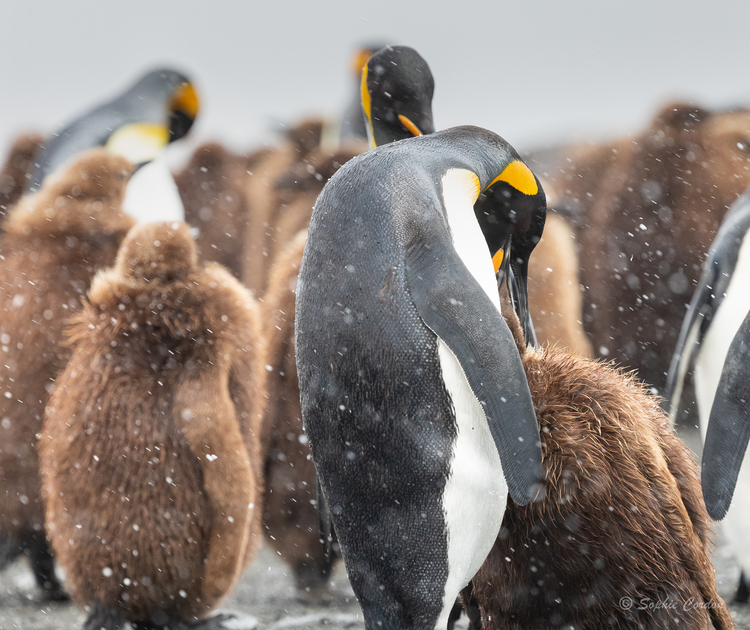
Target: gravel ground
{"x": 265, "y": 598}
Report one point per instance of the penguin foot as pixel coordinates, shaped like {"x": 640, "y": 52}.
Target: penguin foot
{"x": 455, "y": 614}
{"x": 470, "y": 607}
{"x": 314, "y": 595}
{"x": 742, "y": 596}
{"x": 101, "y": 618}
{"x": 162, "y": 621}
{"x": 311, "y": 579}
{"x": 10, "y": 549}
{"x": 43, "y": 566}
{"x": 212, "y": 623}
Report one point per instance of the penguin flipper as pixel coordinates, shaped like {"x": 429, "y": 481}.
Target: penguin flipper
{"x": 455, "y": 307}
{"x": 728, "y": 427}
{"x": 700, "y": 312}
{"x": 205, "y": 414}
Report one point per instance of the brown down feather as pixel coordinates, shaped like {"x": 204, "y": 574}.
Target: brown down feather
{"x": 620, "y": 519}
{"x": 16, "y": 170}
{"x": 646, "y": 209}
{"x": 54, "y": 243}
{"x": 211, "y": 187}
{"x": 150, "y": 451}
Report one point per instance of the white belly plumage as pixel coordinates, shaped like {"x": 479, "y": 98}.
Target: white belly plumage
{"x": 715, "y": 345}
{"x": 476, "y": 492}
{"x": 152, "y": 194}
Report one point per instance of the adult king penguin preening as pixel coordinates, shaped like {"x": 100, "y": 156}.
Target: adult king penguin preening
{"x": 158, "y": 109}
{"x": 413, "y": 393}
{"x": 715, "y": 342}
{"x": 397, "y": 88}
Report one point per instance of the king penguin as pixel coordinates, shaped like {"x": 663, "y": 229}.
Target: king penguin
{"x": 413, "y": 393}
{"x": 715, "y": 342}
{"x": 137, "y": 124}
{"x": 396, "y": 90}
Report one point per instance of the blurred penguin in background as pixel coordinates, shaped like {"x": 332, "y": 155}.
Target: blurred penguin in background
{"x": 55, "y": 241}
{"x": 715, "y": 344}
{"x": 245, "y": 206}
{"x": 158, "y": 109}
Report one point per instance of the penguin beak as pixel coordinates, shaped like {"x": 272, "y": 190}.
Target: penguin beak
{"x": 410, "y": 126}
{"x": 139, "y": 142}
{"x": 183, "y": 109}
{"x": 519, "y": 292}
{"x": 517, "y": 287}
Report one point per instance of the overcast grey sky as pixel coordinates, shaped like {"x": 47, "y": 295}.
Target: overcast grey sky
{"x": 533, "y": 71}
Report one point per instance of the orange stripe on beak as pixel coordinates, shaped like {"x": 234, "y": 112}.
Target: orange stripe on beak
{"x": 413, "y": 129}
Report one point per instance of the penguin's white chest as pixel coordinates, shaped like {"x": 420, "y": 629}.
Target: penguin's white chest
{"x": 736, "y": 524}
{"x": 476, "y": 492}
{"x": 713, "y": 351}
{"x": 152, "y": 194}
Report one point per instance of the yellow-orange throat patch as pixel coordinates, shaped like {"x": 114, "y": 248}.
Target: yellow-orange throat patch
{"x": 367, "y": 107}
{"x": 518, "y": 175}
{"x": 138, "y": 142}
{"x": 497, "y": 259}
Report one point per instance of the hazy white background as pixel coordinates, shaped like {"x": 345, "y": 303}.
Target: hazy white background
{"x": 533, "y": 71}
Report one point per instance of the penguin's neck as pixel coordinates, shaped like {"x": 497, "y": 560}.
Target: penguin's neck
{"x": 152, "y": 194}
{"x": 460, "y": 191}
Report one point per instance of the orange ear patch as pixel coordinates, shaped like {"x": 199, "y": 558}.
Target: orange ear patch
{"x": 186, "y": 99}
{"x": 518, "y": 175}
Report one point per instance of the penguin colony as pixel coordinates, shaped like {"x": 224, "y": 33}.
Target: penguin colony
{"x": 53, "y": 243}
{"x": 154, "y": 502}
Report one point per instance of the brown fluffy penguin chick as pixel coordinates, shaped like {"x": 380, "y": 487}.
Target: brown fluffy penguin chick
{"x": 150, "y": 450}
{"x": 290, "y": 517}
{"x": 619, "y": 535}
{"x": 212, "y": 190}
{"x": 54, "y": 243}
{"x": 16, "y": 170}
{"x": 284, "y": 186}
{"x": 555, "y": 296}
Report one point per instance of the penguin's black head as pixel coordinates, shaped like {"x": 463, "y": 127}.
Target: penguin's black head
{"x": 397, "y": 88}
{"x": 511, "y": 212}
{"x": 160, "y": 108}
{"x": 183, "y": 109}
